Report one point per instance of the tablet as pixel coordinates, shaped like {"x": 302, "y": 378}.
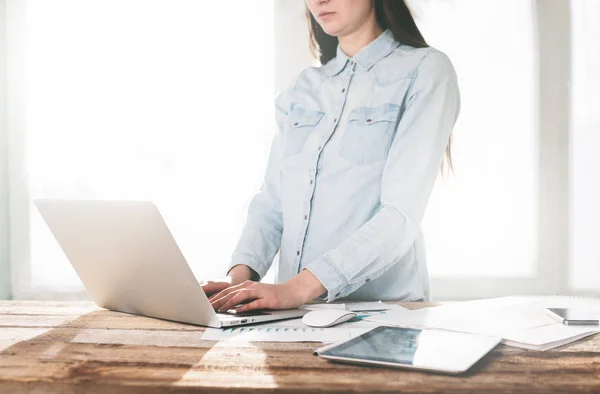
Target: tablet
{"x": 570, "y": 316}
{"x": 430, "y": 350}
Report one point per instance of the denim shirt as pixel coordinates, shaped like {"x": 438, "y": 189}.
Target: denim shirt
{"x": 359, "y": 146}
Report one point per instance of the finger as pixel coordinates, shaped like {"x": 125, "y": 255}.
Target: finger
{"x": 257, "y": 304}
{"x": 218, "y": 303}
{"x": 228, "y": 290}
{"x": 241, "y": 296}
{"x": 233, "y": 299}
{"x": 214, "y": 287}
{"x": 222, "y": 293}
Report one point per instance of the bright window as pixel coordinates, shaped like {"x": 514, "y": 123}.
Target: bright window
{"x": 168, "y": 101}
{"x": 482, "y": 221}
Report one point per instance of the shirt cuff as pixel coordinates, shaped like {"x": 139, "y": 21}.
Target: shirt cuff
{"x": 331, "y": 277}
{"x": 258, "y": 266}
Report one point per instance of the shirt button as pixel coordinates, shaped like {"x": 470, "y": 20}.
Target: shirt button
{"x": 305, "y": 217}
{"x": 297, "y": 253}
{"x": 343, "y": 90}
{"x": 296, "y": 124}
{"x": 337, "y": 295}
{"x": 367, "y": 280}
{"x": 369, "y": 120}
{"x": 311, "y": 181}
{"x": 319, "y": 148}
{"x": 335, "y": 120}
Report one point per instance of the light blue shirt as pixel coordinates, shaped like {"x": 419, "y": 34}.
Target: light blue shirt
{"x": 359, "y": 146}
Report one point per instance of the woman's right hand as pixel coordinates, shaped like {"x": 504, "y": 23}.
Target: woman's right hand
{"x": 238, "y": 274}
{"x": 214, "y": 287}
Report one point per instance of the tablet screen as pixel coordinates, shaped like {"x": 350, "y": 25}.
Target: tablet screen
{"x": 423, "y": 349}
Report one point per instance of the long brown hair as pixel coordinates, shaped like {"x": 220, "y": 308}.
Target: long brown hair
{"x": 390, "y": 14}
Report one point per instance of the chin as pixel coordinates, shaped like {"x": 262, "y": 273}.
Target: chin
{"x": 333, "y": 29}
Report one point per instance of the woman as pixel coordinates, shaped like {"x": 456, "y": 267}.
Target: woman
{"x": 359, "y": 145}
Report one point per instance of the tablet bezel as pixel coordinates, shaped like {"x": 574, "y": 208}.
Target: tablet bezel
{"x": 325, "y": 352}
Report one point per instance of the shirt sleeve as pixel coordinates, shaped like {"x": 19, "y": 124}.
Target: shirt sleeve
{"x": 261, "y": 236}
{"x": 409, "y": 174}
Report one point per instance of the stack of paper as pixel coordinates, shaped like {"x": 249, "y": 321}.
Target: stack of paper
{"x": 294, "y": 330}
{"x": 520, "y": 321}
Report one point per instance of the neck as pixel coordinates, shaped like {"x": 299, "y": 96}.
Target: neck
{"x": 352, "y": 43}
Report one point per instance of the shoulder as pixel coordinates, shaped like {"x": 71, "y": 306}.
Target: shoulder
{"x": 409, "y": 62}
{"x": 310, "y": 79}
{"x": 305, "y": 87}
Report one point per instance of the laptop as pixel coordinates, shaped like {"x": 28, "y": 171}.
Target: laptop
{"x": 126, "y": 257}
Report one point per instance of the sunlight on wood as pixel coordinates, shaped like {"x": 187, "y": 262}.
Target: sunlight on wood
{"x": 226, "y": 357}
{"x": 11, "y": 336}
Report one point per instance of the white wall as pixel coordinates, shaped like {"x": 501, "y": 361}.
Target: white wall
{"x": 4, "y": 254}
{"x": 584, "y": 147}
{"x": 292, "y": 51}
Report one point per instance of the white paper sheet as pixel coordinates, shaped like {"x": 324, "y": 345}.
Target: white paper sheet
{"x": 281, "y": 334}
{"x": 355, "y": 306}
{"x": 520, "y": 321}
{"x": 294, "y": 330}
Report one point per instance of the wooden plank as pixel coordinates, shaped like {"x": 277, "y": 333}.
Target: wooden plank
{"x": 22, "y": 320}
{"x": 96, "y": 319}
{"x": 255, "y": 367}
{"x": 46, "y": 307}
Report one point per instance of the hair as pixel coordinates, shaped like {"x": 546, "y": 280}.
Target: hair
{"x": 390, "y": 14}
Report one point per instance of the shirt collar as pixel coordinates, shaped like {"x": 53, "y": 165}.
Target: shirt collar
{"x": 368, "y": 56}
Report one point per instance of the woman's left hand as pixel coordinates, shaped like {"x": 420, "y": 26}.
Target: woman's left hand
{"x": 256, "y": 295}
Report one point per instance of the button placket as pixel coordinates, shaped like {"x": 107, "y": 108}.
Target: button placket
{"x": 313, "y": 172}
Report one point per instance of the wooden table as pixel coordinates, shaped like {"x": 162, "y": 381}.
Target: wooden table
{"x": 75, "y": 347}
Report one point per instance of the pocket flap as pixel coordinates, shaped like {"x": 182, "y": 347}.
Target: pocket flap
{"x": 369, "y": 115}
{"x": 300, "y": 117}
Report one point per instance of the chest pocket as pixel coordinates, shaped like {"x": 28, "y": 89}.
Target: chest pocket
{"x": 301, "y": 122}
{"x": 369, "y": 133}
